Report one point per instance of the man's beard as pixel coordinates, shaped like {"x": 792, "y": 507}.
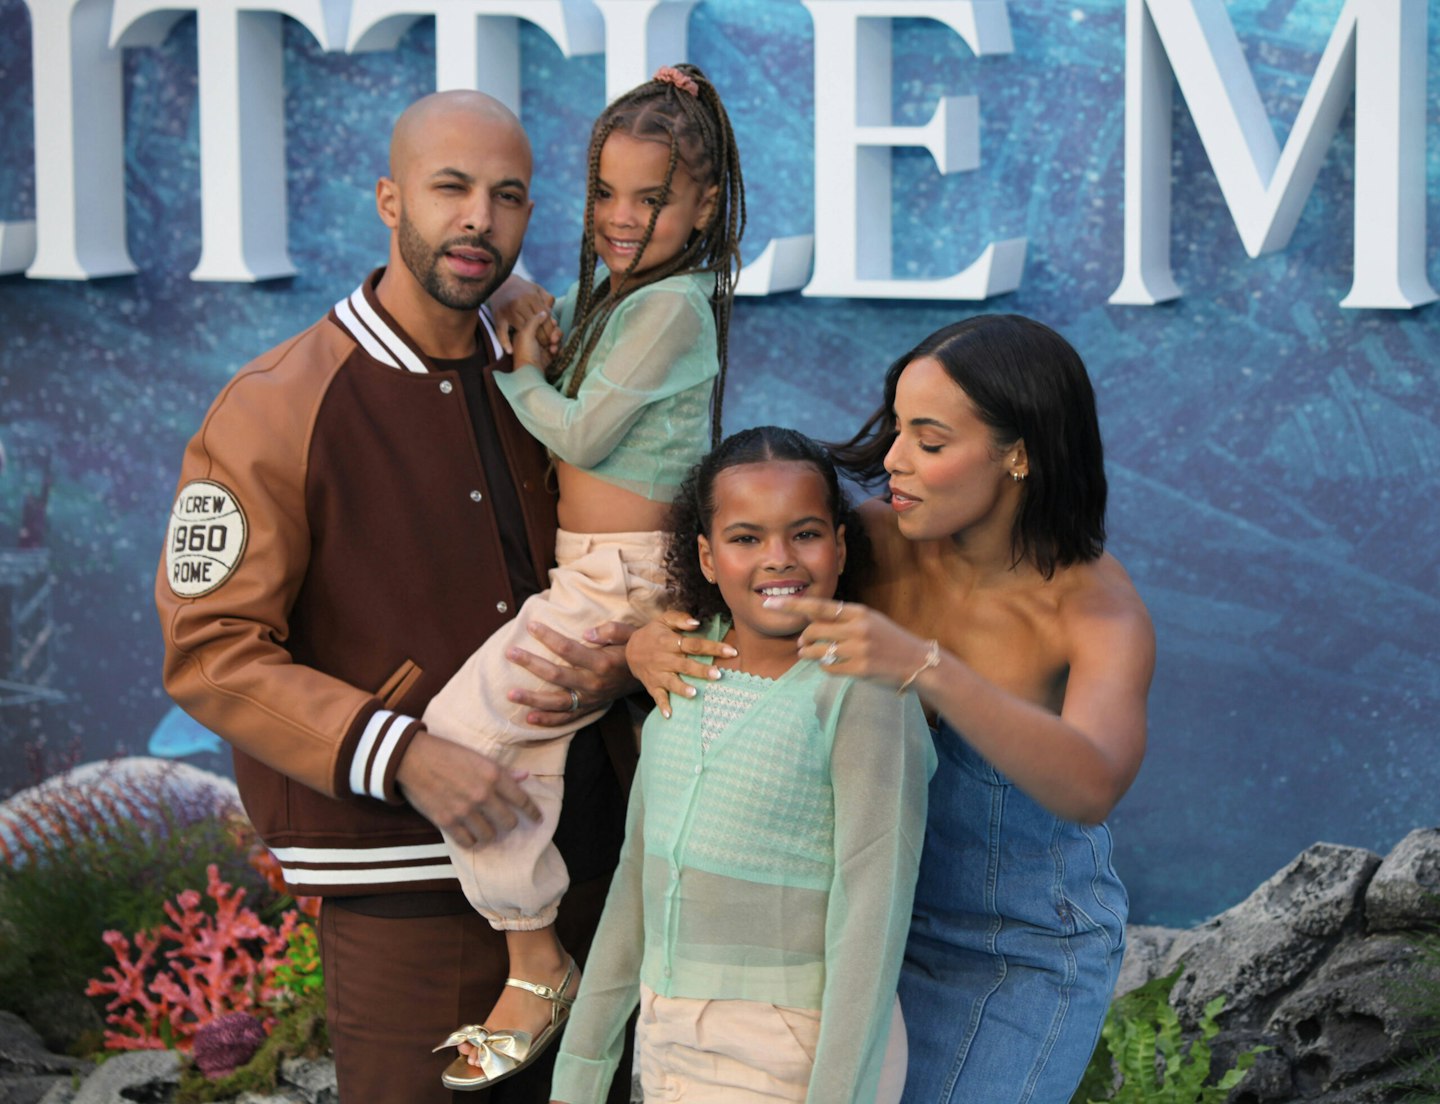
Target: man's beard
{"x": 445, "y": 287}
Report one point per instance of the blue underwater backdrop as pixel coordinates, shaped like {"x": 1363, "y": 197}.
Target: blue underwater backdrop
{"x": 1274, "y": 459}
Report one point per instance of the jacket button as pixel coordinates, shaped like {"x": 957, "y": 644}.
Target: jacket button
{"x": 476, "y": 496}
{"x": 528, "y": 485}
{"x": 446, "y": 387}
{"x": 502, "y": 606}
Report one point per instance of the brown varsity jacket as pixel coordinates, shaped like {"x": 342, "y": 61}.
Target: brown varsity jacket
{"x": 332, "y": 559}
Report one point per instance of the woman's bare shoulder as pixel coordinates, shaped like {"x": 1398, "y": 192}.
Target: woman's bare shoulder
{"x": 1101, "y": 594}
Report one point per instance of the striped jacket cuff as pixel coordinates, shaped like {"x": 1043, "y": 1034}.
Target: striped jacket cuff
{"x": 322, "y": 871}
{"x": 384, "y": 737}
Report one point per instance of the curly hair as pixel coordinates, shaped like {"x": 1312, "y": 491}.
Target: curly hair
{"x": 696, "y": 128}
{"x": 693, "y": 511}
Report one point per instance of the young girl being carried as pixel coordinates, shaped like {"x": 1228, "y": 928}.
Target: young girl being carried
{"x": 759, "y": 912}
{"x": 626, "y": 406}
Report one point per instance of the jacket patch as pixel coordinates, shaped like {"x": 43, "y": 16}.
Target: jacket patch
{"x": 206, "y": 538}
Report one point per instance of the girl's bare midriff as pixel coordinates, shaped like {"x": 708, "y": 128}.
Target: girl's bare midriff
{"x": 590, "y": 505}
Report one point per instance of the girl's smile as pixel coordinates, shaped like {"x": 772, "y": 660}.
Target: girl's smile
{"x": 629, "y": 188}
{"x": 772, "y": 535}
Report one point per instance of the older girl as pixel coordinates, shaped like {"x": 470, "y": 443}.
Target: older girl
{"x": 758, "y": 915}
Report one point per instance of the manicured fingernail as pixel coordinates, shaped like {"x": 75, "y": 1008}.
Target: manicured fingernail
{"x": 592, "y": 635}
{"x": 530, "y": 628}
{"x": 665, "y": 712}
{"x": 691, "y": 623}
{"x": 728, "y": 652}
{"x": 713, "y": 673}
{"x": 514, "y": 653}
{"x": 513, "y": 695}
{"x": 689, "y": 691}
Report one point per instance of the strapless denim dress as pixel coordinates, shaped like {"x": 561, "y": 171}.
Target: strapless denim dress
{"x": 1015, "y": 945}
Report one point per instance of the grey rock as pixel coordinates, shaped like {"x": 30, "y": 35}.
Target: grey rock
{"x": 63, "y": 1018}
{"x": 1405, "y": 892}
{"x": 1348, "y": 1021}
{"x": 1386, "y": 1088}
{"x": 28, "y": 1088}
{"x": 1271, "y": 1078}
{"x": 1146, "y": 946}
{"x": 62, "y": 1092}
{"x": 23, "y": 1052}
{"x": 136, "y": 1077}
{"x": 313, "y": 1078}
{"x": 1258, "y": 950}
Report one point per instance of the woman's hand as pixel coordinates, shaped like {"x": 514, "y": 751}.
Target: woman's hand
{"x": 659, "y": 654}
{"x": 850, "y": 639}
{"x": 596, "y": 675}
{"x": 514, "y": 304}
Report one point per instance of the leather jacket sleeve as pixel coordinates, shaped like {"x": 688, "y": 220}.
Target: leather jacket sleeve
{"x": 237, "y": 550}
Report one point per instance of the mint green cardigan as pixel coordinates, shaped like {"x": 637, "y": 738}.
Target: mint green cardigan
{"x": 779, "y": 867}
{"x": 641, "y": 419}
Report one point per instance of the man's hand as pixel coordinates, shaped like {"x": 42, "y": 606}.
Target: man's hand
{"x": 597, "y": 672}
{"x": 463, "y": 793}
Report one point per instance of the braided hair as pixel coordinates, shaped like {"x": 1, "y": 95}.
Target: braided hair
{"x": 696, "y": 128}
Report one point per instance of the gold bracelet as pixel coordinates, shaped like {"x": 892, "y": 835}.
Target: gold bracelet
{"x": 932, "y": 659}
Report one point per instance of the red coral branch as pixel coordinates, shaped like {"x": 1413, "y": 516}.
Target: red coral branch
{"x": 219, "y": 964}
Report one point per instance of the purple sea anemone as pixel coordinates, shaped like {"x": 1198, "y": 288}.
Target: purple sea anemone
{"x": 226, "y": 1043}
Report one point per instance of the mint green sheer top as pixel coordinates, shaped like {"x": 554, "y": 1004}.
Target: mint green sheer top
{"x": 641, "y": 418}
{"x": 778, "y": 865}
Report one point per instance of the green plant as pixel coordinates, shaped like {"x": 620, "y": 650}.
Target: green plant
{"x": 300, "y": 974}
{"x": 1143, "y": 1057}
{"x": 1418, "y": 994}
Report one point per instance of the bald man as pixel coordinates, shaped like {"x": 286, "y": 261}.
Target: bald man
{"x": 358, "y": 511}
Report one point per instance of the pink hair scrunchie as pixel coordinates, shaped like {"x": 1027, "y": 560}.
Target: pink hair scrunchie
{"x": 668, "y": 74}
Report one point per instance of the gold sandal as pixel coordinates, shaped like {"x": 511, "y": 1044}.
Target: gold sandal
{"x": 505, "y": 1053}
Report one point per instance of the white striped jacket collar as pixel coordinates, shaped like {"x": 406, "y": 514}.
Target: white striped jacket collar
{"x": 362, "y": 318}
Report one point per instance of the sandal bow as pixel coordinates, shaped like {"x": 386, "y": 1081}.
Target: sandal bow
{"x": 505, "y": 1053}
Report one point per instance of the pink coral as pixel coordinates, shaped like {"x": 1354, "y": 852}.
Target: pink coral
{"x": 227, "y": 1043}
{"x": 219, "y": 964}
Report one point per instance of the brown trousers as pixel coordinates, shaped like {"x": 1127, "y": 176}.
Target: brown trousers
{"x": 395, "y": 986}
